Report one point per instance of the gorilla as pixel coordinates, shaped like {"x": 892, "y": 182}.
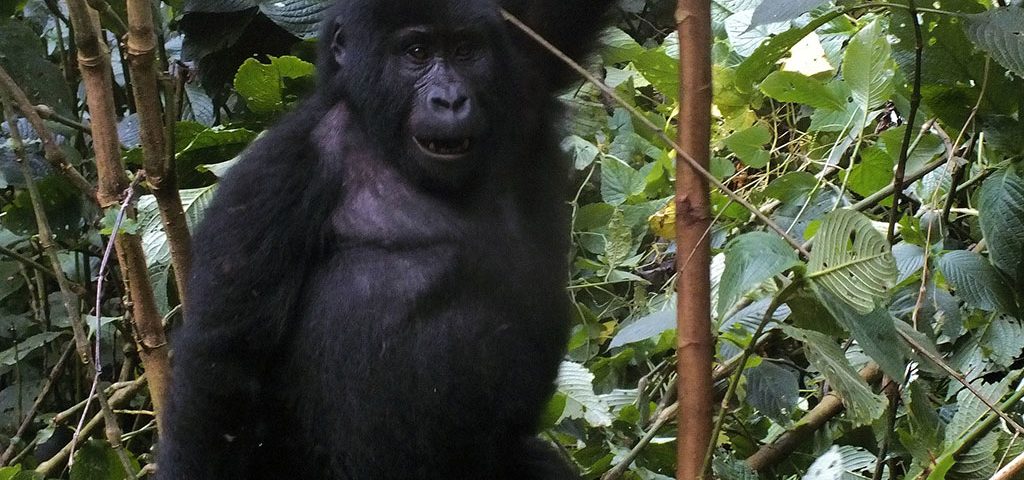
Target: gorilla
{"x": 378, "y": 288}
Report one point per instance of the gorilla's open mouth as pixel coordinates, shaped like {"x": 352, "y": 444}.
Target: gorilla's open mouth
{"x": 444, "y": 147}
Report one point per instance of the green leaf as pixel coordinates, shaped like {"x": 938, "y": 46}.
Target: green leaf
{"x": 576, "y": 383}
{"x": 774, "y": 390}
{"x": 1001, "y": 216}
{"x": 852, "y": 260}
{"x": 862, "y": 405}
{"x": 217, "y": 137}
{"x": 263, "y": 86}
{"x": 1003, "y": 340}
{"x": 154, "y": 239}
{"x": 977, "y": 282}
{"x": 619, "y": 181}
{"x": 750, "y": 260}
{"x": 18, "y": 352}
{"x": 795, "y": 87}
{"x": 16, "y": 473}
{"x": 971, "y": 410}
{"x": 873, "y": 173}
{"x": 645, "y": 328}
{"x": 748, "y": 145}
{"x": 96, "y": 460}
{"x": 1000, "y": 33}
{"x": 875, "y": 332}
{"x": 868, "y": 67}
{"x": 582, "y": 151}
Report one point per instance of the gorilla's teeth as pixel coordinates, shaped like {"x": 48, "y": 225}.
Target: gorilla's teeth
{"x": 432, "y": 146}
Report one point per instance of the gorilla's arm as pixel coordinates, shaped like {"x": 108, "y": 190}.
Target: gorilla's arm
{"x": 570, "y": 25}
{"x": 249, "y": 265}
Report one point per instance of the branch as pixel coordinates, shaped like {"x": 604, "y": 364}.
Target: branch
{"x": 915, "y": 104}
{"x": 94, "y": 63}
{"x": 830, "y": 406}
{"x": 141, "y": 54}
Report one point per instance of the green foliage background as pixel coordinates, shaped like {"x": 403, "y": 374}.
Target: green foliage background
{"x": 811, "y": 99}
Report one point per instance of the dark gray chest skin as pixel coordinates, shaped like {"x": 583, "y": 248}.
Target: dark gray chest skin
{"x": 430, "y": 320}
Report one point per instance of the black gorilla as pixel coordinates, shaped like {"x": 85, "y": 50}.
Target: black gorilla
{"x": 378, "y": 287}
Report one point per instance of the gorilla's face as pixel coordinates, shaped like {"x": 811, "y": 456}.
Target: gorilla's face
{"x": 425, "y": 88}
{"x": 447, "y": 122}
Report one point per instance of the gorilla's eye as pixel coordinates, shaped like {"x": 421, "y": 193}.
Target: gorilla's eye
{"x": 464, "y": 51}
{"x": 418, "y": 52}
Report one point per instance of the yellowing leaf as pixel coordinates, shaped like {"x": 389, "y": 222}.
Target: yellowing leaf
{"x": 663, "y": 222}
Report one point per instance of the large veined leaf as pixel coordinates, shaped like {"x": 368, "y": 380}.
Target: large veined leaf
{"x": 774, "y": 390}
{"x": 263, "y": 85}
{"x": 977, "y": 282}
{"x": 576, "y": 383}
{"x": 96, "y": 460}
{"x": 841, "y": 462}
{"x": 154, "y": 239}
{"x": 862, "y": 404}
{"x": 1001, "y": 215}
{"x": 299, "y": 17}
{"x": 1000, "y": 33}
{"x": 645, "y": 328}
{"x": 829, "y": 466}
{"x": 852, "y": 260}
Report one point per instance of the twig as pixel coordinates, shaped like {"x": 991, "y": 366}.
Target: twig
{"x": 118, "y": 398}
{"x": 618, "y": 470}
{"x": 1010, "y": 470}
{"x": 104, "y": 263}
{"x": 915, "y": 104}
{"x": 734, "y": 383}
{"x": 1010, "y": 422}
{"x": 48, "y": 113}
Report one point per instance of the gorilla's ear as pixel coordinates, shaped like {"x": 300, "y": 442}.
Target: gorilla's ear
{"x": 338, "y": 43}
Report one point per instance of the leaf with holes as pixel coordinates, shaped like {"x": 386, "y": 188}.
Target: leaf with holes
{"x": 868, "y": 67}
{"x": 577, "y": 384}
{"x": 852, "y": 260}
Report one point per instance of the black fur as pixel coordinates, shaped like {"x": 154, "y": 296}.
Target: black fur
{"x": 361, "y": 308}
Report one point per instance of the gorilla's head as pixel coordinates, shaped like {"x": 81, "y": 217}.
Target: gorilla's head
{"x": 427, "y": 82}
